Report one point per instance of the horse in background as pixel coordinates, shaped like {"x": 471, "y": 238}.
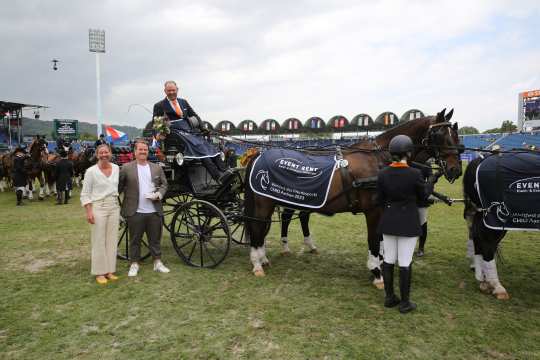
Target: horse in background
{"x": 35, "y": 166}
{"x": 434, "y": 136}
{"x": 5, "y": 171}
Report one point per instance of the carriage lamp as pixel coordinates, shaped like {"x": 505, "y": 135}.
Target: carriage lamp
{"x": 180, "y": 158}
{"x": 222, "y": 156}
{"x": 171, "y": 154}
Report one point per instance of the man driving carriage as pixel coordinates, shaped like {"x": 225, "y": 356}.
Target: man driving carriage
{"x": 186, "y": 130}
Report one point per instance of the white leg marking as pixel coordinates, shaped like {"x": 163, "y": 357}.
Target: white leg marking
{"x": 308, "y": 241}
{"x": 490, "y": 271}
{"x": 255, "y": 260}
{"x": 285, "y": 246}
{"x": 478, "y": 274}
{"x": 373, "y": 262}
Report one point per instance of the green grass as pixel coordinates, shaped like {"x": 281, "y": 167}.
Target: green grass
{"x": 307, "y": 307}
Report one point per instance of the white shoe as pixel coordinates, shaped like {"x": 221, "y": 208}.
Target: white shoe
{"x": 133, "y": 270}
{"x": 159, "y": 267}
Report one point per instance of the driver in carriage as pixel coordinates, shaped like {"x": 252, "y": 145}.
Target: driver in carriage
{"x": 186, "y": 125}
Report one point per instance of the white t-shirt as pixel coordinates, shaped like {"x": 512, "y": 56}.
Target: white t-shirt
{"x": 146, "y": 187}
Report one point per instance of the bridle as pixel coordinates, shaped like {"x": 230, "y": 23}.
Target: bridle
{"x": 433, "y": 145}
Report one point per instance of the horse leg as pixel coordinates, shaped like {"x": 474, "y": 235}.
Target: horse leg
{"x": 470, "y": 243}
{"x": 258, "y": 222}
{"x": 286, "y": 217}
{"x": 30, "y": 189}
{"x": 488, "y": 241}
{"x": 41, "y": 195}
{"x": 2, "y": 185}
{"x": 308, "y": 241}
{"x": 374, "y": 243}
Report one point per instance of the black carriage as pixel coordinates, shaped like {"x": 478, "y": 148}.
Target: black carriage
{"x": 202, "y": 216}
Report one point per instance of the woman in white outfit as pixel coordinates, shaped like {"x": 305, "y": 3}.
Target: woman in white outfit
{"x": 99, "y": 196}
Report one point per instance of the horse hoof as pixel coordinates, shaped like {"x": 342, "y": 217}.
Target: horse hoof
{"x": 379, "y": 284}
{"x": 285, "y": 253}
{"x": 314, "y": 251}
{"x": 502, "y": 296}
{"x": 259, "y": 273}
{"x": 41, "y": 198}
{"x": 420, "y": 253}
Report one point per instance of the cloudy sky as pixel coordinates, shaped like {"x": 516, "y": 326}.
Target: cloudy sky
{"x": 237, "y": 60}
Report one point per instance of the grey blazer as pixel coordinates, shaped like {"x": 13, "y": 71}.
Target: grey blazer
{"x": 128, "y": 184}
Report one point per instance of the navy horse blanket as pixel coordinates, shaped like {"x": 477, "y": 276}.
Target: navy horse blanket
{"x": 508, "y": 185}
{"x": 193, "y": 144}
{"x": 293, "y": 177}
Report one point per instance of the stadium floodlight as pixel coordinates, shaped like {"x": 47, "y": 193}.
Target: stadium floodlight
{"x": 96, "y": 38}
{"x": 96, "y": 41}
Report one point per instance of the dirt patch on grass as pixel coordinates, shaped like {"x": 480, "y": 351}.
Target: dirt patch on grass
{"x": 40, "y": 261}
{"x": 38, "y": 265}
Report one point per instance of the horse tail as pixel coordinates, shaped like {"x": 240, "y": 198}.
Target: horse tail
{"x": 470, "y": 196}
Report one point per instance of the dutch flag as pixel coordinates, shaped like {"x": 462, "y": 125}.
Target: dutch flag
{"x": 114, "y": 136}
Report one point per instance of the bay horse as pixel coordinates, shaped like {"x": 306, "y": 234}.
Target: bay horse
{"x": 434, "y": 136}
{"x": 35, "y": 167}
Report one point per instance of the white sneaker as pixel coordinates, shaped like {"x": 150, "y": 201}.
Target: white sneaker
{"x": 159, "y": 267}
{"x": 133, "y": 270}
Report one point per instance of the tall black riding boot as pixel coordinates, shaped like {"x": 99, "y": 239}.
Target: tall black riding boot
{"x": 19, "y": 194}
{"x": 66, "y": 196}
{"x": 59, "y": 197}
{"x": 390, "y": 299}
{"x": 405, "y": 275}
{"x": 422, "y": 241}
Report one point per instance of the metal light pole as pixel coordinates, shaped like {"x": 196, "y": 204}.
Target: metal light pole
{"x": 96, "y": 39}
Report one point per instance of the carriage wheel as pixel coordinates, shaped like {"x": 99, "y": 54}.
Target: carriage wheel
{"x": 200, "y": 234}
{"x": 170, "y": 205}
{"x": 123, "y": 243}
{"x": 235, "y": 218}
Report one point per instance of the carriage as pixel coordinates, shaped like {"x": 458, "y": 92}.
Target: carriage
{"x": 203, "y": 217}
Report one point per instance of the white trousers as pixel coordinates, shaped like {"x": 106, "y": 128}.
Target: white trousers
{"x": 105, "y": 235}
{"x": 400, "y": 248}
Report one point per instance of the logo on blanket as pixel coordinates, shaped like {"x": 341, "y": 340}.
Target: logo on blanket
{"x": 264, "y": 178}
{"x": 526, "y": 186}
{"x": 297, "y": 167}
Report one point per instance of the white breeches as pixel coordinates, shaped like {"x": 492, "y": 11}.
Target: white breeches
{"x": 400, "y": 248}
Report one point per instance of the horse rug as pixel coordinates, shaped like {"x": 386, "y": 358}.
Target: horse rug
{"x": 194, "y": 146}
{"x": 508, "y": 185}
{"x": 293, "y": 177}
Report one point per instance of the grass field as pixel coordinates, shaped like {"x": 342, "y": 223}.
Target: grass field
{"x": 307, "y": 307}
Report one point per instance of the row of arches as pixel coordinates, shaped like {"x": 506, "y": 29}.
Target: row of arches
{"x": 360, "y": 122}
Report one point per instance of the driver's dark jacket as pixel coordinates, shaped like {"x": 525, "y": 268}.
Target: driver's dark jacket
{"x": 164, "y": 108}
{"x": 399, "y": 190}
{"x": 18, "y": 172}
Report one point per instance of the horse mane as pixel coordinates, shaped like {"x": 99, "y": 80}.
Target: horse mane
{"x": 403, "y": 127}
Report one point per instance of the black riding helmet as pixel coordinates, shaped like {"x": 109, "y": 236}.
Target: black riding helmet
{"x": 400, "y": 146}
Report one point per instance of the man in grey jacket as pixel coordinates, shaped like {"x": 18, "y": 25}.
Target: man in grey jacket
{"x": 144, "y": 185}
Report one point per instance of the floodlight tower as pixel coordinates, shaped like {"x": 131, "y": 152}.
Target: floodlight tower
{"x": 96, "y": 39}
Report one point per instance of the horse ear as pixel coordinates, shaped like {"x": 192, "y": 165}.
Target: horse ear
{"x": 440, "y": 116}
{"x": 449, "y": 115}
{"x": 455, "y": 127}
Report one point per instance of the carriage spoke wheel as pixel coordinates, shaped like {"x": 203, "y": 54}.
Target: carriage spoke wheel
{"x": 123, "y": 243}
{"x": 235, "y": 218}
{"x": 170, "y": 205}
{"x": 200, "y": 234}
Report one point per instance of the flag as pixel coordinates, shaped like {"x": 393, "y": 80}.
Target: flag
{"x": 113, "y": 136}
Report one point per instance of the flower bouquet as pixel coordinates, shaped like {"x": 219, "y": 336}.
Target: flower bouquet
{"x": 161, "y": 127}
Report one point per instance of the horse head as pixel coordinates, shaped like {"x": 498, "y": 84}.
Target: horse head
{"x": 442, "y": 143}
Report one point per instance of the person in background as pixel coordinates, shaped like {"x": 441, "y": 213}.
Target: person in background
{"x": 64, "y": 173}
{"x": 144, "y": 185}
{"x": 99, "y": 196}
{"x": 399, "y": 189}
{"x": 19, "y": 175}
{"x": 100, "y": 141}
